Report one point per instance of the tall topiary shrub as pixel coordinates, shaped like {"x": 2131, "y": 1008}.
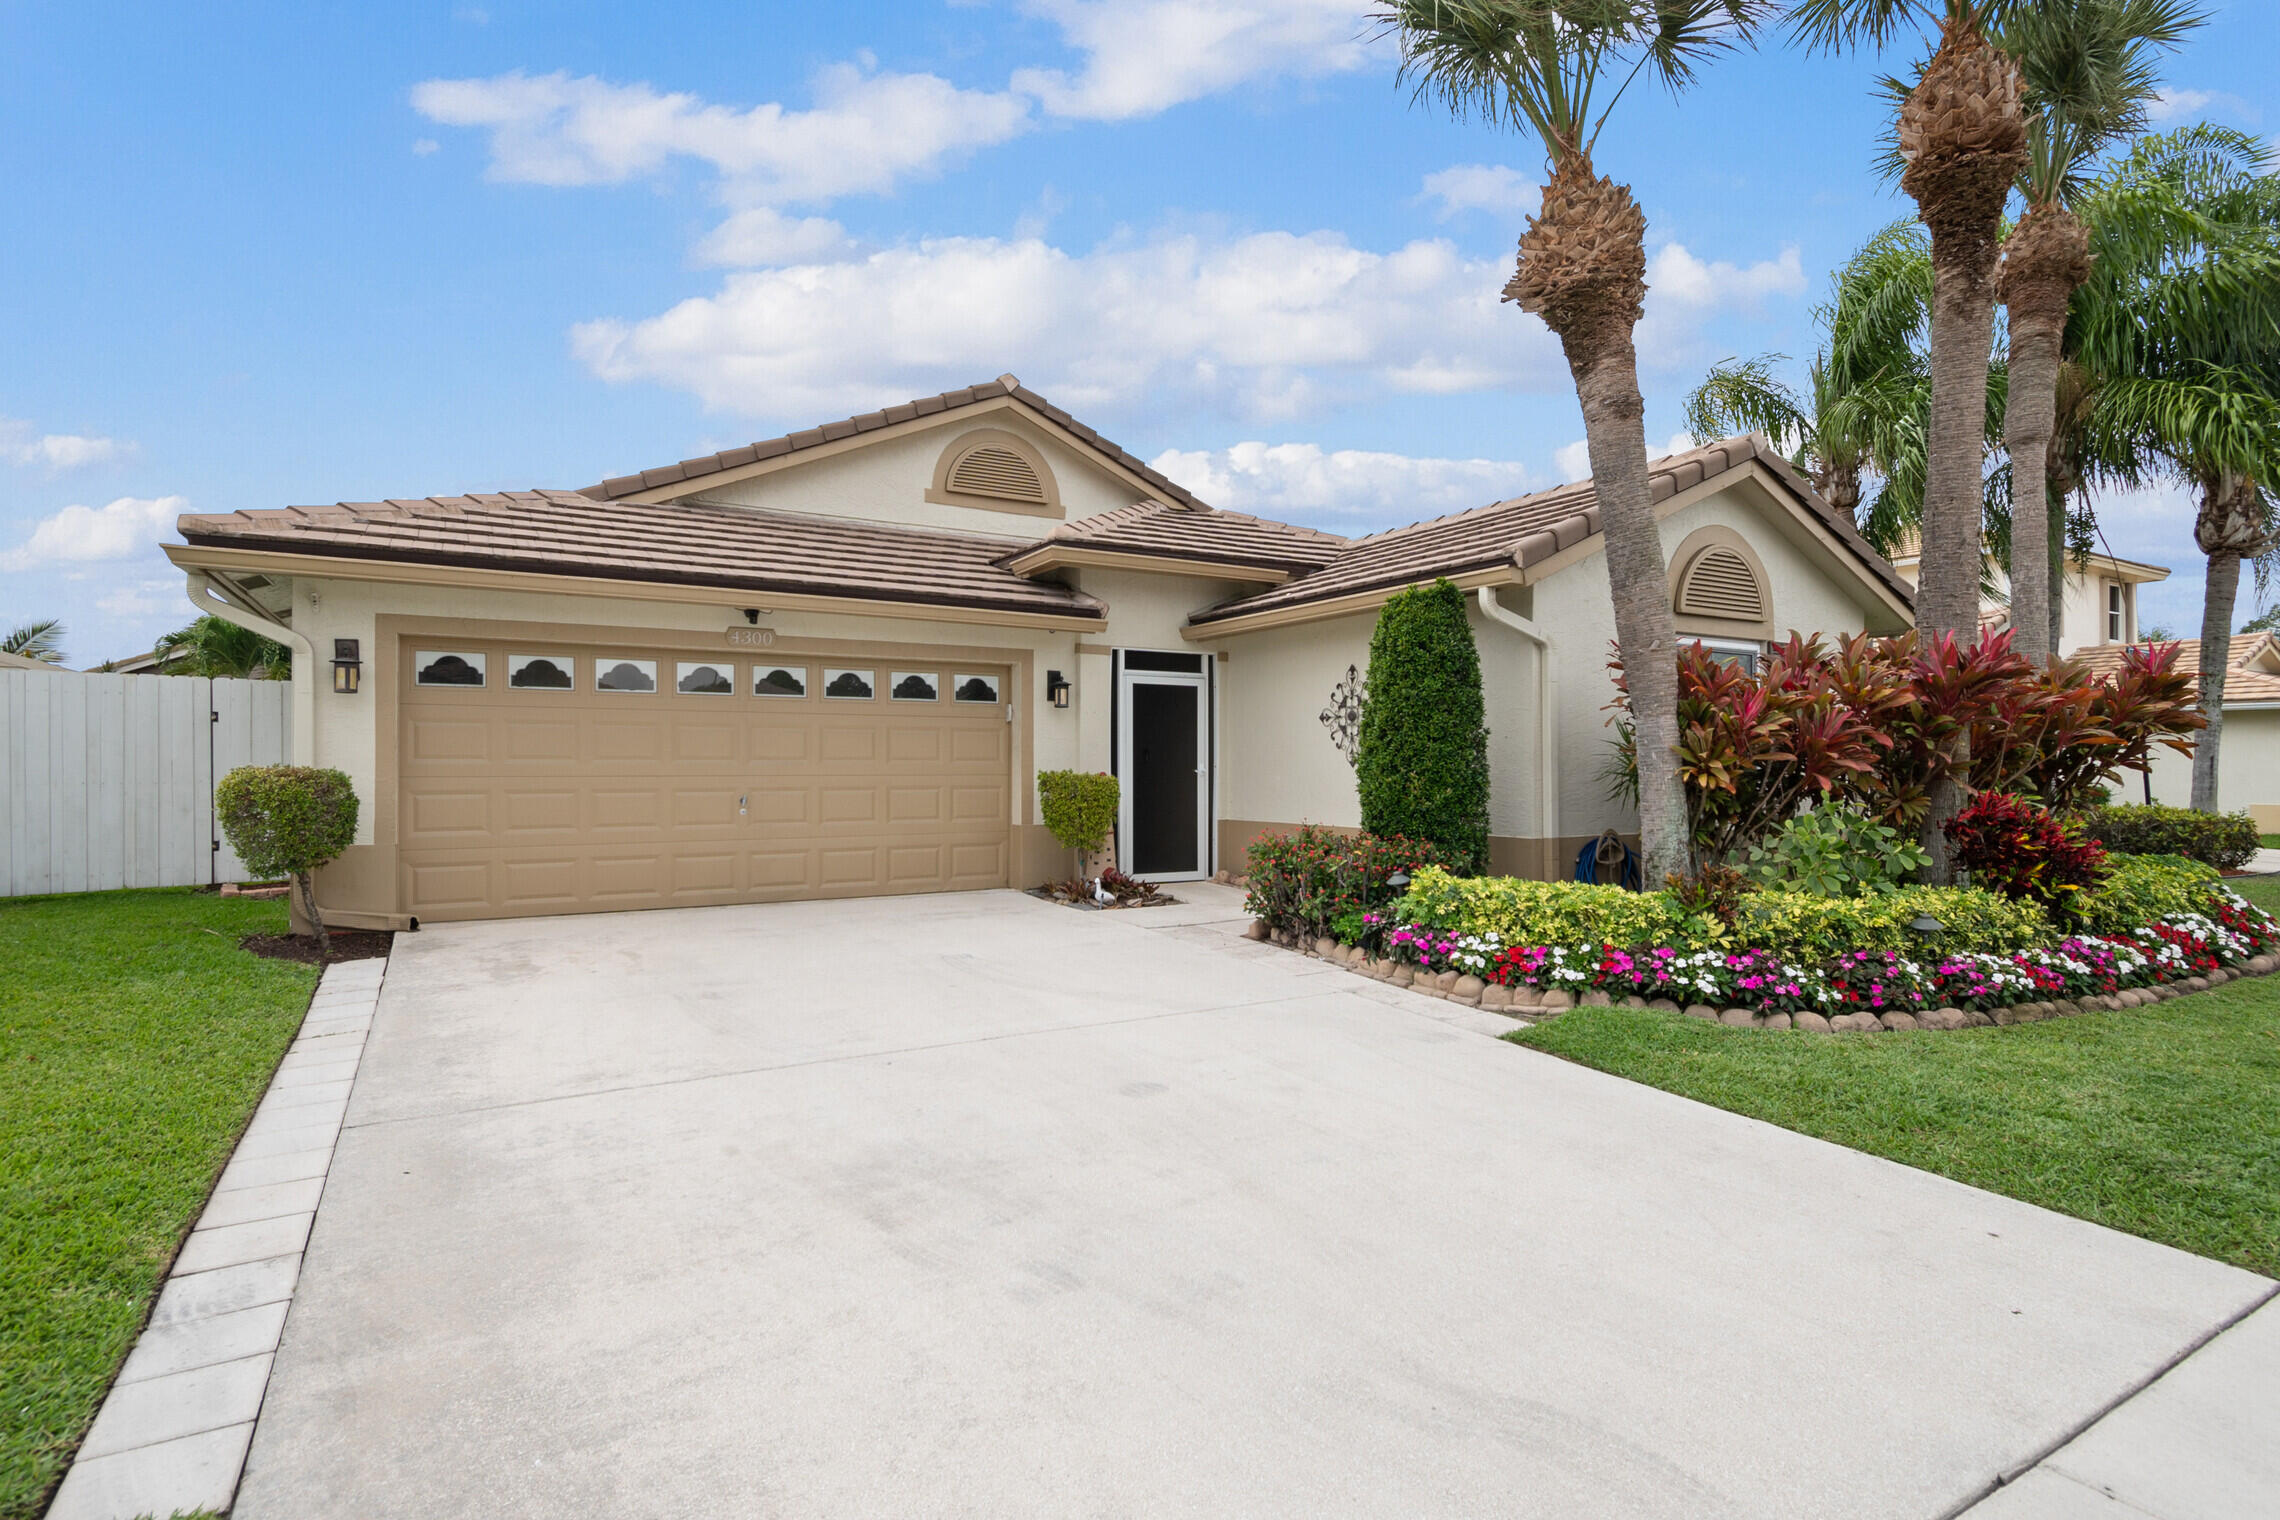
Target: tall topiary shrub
{"x": 1421, "y": 764}
{"x": 289, "y": 820}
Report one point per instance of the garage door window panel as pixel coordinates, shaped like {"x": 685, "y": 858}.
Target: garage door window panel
{"x": 705, "y": 679}
{"x": 847, "y": 685}
{"x": 977, "y": 689}
{"x": 779, "y": 680}
{"x": 612, "y": 673}
{"x": 449, "y": 667}
{"x": 541, "y": 672}
{"x": 915, "y": 686}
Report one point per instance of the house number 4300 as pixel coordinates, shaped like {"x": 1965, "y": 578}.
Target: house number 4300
{"x": 752, "y": 638}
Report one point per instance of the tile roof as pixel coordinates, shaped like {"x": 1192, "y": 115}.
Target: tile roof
{"x": 1155, "y": 530}
{"x": 2254, "y": 661}
{"x": 675, "y": 543}
{"x": 1527, "y": 530}
{"x": 689, "y": 470}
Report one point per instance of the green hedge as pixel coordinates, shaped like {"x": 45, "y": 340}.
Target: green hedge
{"x": 2224, "y": 840}
{"x": 2137, "y": 889}
{"x": 1079, "y": 806}
{"x": 1800, "y": 925}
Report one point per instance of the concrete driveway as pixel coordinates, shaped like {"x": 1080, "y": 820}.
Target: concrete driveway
{"x": 976, "y": 1206}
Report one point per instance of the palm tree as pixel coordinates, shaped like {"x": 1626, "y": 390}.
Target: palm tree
{"x": 1961, "y": 138}
{"x": 1556, "y": 69}
{"x": 40, "y": 640}
{"x": 214, "y": 646}
{"x": 2088, "y": 72}
{"x": 1863, "y": 415}
{"x": 2179, "y": 336}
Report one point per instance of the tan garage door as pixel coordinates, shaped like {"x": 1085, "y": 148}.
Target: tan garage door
{"x": 566, "y": 780}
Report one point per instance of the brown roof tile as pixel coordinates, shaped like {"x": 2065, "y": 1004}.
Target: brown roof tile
{"x": 1155, "y": 530}
{"x": 1527, "y": 530}
{"x": 2254, "y": 661}
{"x": 924, "y": 406}
{"x": 675, "y": 543}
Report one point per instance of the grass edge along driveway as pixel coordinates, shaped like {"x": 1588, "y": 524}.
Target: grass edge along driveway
{"x": 136, "y": 1039}
{"x": 2163, "y": 1122}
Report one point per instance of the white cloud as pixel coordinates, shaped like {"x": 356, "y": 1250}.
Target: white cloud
{"x": 867, "y": 131}
{"x": 422, "y": 147}
{"x": 140, "y": 600}
{"x": 1269, "y": 325}
{"x": 764, "y": 235}
{"x": 1343, "y": 489}
{"x": 79, "y": 534}
{"x": 1573, "y": 460}
{"x": 1495, "y": 188}
{"x": 2195, "y": 105}
{"x": 57, "y": 452}
{"x": 1145, "y": 56}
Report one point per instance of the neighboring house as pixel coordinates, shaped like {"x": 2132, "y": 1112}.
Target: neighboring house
{"x": 2098, "y": 607}
{"x": 2248, "y": 756}
{"x": 26, "y": 662}
{"x": 830, "y": 664}
{"x": 135, "y": 664}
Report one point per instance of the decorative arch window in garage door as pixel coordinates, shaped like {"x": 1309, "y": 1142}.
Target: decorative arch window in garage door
{"x": 779, "y": 680}
{"x": 849, "y": 685}
{"x": 438, "y": 667}
{"x": 613, "y": 674}
{"x": 540, "y": 672}
{"x": 705, "y": 679}
{"x": 976, "y": 688}
{"x": 913, "y": 686}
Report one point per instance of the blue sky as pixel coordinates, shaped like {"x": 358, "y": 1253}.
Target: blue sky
{"x": 266, "y": 255}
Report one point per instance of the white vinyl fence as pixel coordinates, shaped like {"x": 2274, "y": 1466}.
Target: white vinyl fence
{"x": 108, "y": 780}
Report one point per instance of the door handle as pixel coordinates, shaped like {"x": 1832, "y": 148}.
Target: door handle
{"x": 740, "y": 806}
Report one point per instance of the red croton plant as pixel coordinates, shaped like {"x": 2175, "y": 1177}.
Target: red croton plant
{"x": 1877, "y": 722}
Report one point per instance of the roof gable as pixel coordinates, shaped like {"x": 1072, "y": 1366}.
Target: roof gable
{"x": 707, "y": 471}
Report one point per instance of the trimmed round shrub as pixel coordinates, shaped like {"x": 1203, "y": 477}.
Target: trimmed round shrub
{"x": 1079, "y": 806}
{"x": 1421, "y": 764}
{"x": 2140, "y": 889}
{"x": 288, "y": 820}
{"x": 2225, "y": 840}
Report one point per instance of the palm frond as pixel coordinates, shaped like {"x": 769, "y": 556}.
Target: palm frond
{"x": 41, "y": 639}
{"x": 1742, "y": 396}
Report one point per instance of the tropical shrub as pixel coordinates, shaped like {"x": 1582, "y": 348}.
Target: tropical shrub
{"x": 1079, "y": 806}
{"x": 1549, "y": 912}
{"x": 1317, "y": 880}
{"x": 1714, "y": 892}
{"x": 2224, "y": 840}
{"x": 2138, "y": 889}
{"x": 1806, "y": 926}
{"x": 1880, "y": 722}
{"x": 289, "y": 820}
{"x": 1835, "y": 850}
{"x": 2011, "y": 846}
{"x": 1421, "y": 761}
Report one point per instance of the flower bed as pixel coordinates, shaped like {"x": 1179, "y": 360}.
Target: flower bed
{"x": 2207, "y": 935}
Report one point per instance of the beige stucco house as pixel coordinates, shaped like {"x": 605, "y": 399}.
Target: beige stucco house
{"x": 831, "y": 664}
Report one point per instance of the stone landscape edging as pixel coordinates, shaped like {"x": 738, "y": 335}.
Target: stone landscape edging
{"x": 1531, "y": 1004}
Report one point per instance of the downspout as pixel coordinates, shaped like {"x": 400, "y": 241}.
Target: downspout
{"x": 208, "y": 597}
{"x": 1547, "y": 693}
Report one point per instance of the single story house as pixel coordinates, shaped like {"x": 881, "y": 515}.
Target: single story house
{"x": 832, "y": 663}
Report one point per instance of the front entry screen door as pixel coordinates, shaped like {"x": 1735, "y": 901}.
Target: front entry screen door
{"x": 1166, "y": 774}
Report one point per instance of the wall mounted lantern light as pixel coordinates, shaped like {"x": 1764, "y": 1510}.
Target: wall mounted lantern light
{"x": 348, "y": 670}
{"x": 1057, "y": 688}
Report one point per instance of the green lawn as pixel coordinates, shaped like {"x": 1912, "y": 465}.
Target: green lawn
{"x": 135, "y": 1040}
{"x": 2162, "y": 1121}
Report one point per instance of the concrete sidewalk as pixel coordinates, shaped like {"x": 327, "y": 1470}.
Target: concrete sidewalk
{"x": 978, "y": 1205}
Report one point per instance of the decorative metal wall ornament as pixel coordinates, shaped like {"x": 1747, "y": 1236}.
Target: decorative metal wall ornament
{"x": 1343, "y": 717}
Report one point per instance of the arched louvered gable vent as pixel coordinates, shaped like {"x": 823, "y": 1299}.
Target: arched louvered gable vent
{"x": 997, "y": 471}
{"x": 1719, "y": 583}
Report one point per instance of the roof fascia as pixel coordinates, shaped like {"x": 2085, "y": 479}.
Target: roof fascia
{"x": 1341, "y": 606}
{"x": 409, "y": 572}
{"x": 973, "y": 410}
{"x": 1051, "y": 556}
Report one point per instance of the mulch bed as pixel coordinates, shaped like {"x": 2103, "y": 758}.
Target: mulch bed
{"x": 1128, "y": 892}
{"x": 347, "y": 945}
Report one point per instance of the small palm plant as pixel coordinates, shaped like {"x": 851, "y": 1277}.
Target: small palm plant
{"x": 1556, "y": 69}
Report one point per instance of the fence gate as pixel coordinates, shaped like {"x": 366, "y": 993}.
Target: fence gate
{"x": 108, "y": 780}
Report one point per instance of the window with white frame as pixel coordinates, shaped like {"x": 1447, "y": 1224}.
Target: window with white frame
{"x": 1741, "y": 652}
{"x": 2116, "y": 622}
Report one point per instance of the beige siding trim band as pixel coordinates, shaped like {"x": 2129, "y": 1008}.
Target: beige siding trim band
{"x": 402, "y": 572}
{"x": 1341, "y": 606}
{"x": 1056, "y": 556}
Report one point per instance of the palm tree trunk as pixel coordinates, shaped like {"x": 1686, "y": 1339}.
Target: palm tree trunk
{"x": 1963, "y": 137}
{"x": 1582, "y": 268}
{"x": 2045, "y": 259}
{"x": 2217, "y": 596}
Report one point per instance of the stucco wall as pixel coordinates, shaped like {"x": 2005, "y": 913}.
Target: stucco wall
{"x": 2248, "y": 770}
{"x": 886, "y": 481}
